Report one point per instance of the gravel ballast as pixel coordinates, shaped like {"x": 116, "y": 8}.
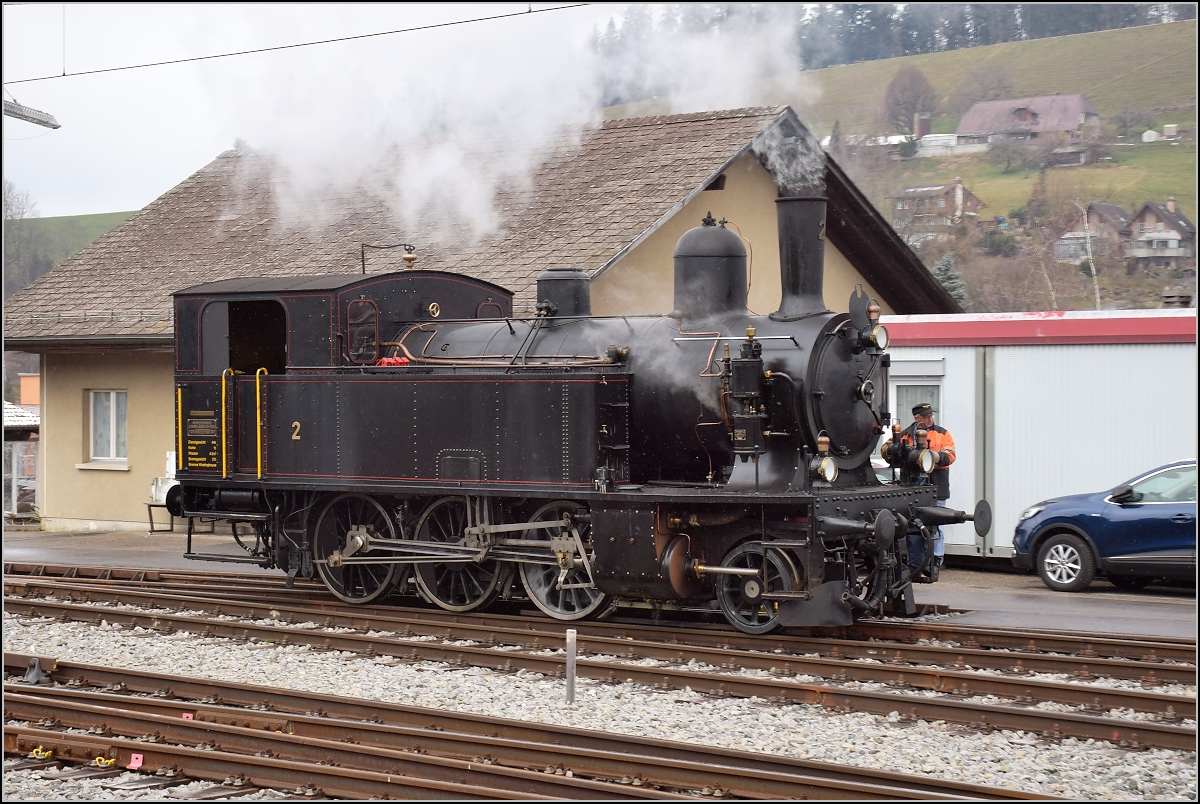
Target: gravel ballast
{"x": 1078, "y": 769}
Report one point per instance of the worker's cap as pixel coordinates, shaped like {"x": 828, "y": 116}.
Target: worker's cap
{"x": 923, "y": 409}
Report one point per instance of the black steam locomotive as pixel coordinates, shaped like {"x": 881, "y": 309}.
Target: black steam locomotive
{"x": 383, "y": 429}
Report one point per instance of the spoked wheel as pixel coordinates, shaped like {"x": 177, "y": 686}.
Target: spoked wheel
{"x": 454, "y": 585}
{"x": 573, "y": 600}
{"x": 741, "y": 596}
{"x": 341, "y": 533}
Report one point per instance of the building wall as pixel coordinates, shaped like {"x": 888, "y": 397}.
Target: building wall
{"x": 1032, "y": 422}
{"x": 74, "y": 498}
{"x": 642, "y": 282}
{"x": 951, "y": 371}
{"x": 31, "y": 389}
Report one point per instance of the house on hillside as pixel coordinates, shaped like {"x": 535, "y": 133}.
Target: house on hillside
{"x": 1162, "y": 239}
{"x": 1026, "y": 119}
{"x": 932, "y": 213}
{"x": 611, "y": 200}
{"x": 1108, "y": 226}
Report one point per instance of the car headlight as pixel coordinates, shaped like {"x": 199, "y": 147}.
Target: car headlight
{"x": 1032, "y": 510}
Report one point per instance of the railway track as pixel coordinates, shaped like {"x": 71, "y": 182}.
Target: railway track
{"x": 1087, "y": 647}
{"x": 200, "y": 727}
{"x": 917, "y": 681}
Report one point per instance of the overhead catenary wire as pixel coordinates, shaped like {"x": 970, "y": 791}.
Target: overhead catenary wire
{"x": 413, "y": 29}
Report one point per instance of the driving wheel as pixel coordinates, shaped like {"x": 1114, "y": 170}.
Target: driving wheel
{"x": 460, "y": 584}
{"x": 741, "y": 596}
{"x": 351, "y": 572}
{"x": 573, "y": 599}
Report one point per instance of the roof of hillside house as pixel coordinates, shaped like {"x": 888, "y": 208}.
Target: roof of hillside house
{"x": 931, "y": 191}
{"x": 914, "y": 192}
{"x": 1111, "y": 212}
{"x": 1052, "y": 113}
{"x": 1174, "y": 220}
{"x": 595, "y": 195}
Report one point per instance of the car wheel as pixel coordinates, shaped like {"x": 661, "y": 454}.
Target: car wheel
{"x": 1066, "y": 563}
{"x": 1130, "y": 583}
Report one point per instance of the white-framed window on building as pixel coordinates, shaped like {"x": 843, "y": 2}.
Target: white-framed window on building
{"x": 913, "y": 381}
{"x": 109, "y": 433}
{"x": 909, "y": 395}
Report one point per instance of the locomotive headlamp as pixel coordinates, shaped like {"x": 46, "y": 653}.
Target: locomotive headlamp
{"x": 886, "y": 451}
{"x": 925, "y": 461}
{"x": 877, "y": 336}
{"x": 825, "y": 468}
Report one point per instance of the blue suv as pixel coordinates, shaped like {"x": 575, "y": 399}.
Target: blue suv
{"x": 1133, "y": 534}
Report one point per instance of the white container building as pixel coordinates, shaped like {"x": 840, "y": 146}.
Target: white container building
{"x": 1046, "y": 404}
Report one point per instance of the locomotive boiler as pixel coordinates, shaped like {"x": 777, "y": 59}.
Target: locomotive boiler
{"x": 397, "y": 431}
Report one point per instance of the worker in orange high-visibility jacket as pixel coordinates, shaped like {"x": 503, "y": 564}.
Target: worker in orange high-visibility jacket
{"x": 939, "y": 440}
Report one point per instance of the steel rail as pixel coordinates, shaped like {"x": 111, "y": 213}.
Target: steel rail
{"x": 1034, "y": 641}
{"x": 888, "y": 664}
{"x": 1148, "y": 649}
{"x": 212, "y": 765}
{"x": 279, "y": 741}
{"x": 976, "y": 715}
{"x": 423, "y": 753}
{"x": 267, "y": 704}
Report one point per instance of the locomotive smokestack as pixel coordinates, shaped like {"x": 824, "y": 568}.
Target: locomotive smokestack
{"x": 801, "y": 257}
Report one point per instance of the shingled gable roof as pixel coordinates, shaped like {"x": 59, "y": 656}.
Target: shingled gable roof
{"x": 1111, "y": 212}
{"x": 1054, "y": 113}
{"x": 1175, "y": 220}
{"x": 590, "y": 201}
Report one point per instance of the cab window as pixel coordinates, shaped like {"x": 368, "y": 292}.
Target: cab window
{"x": 362, "y": 331}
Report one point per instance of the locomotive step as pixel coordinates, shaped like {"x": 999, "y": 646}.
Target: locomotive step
{"x": 226, "y": 559}
{"x": 228, "y": 516}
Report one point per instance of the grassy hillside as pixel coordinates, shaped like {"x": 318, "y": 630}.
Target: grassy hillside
{"x": 45, "y": 242}
{"x": 1137, "y": 173}
{"x": 66, "y": 236}
{"x": 1152, "y": 67}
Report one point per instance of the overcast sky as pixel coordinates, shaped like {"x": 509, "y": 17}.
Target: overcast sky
{"x": 129, "y": 135}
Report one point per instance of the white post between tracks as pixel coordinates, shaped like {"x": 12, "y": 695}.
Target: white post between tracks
{"x": 570, "y": 665}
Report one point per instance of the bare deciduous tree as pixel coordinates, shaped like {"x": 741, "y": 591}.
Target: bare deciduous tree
{"x": 984, "y": 82}
{"x": 908, "y": 94}
{"x": 19, "y": 207}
